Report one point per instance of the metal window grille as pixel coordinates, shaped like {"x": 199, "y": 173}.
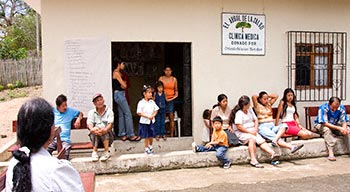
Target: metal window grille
{"x": 317, "y": 64}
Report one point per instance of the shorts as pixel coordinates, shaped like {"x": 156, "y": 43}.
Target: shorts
{"x": 244, "y": 137}
{"x": 169, "y": 107}
{"x": 293, "y": 128}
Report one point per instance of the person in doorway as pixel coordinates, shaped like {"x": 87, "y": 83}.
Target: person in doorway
{"x": 245, "y": 124}
{"x": 171, "y": 92}
{"x": 147, "y": 110}
{"x": 222, "y": 110}
{"x": 32, "y": 168}
{"x": 63, "y": 118}
{"x": 125, "y": 121}
{"x": 331, "y": 121}
{"x": 218, "y": 143}
{"x": 100, "y": 123}
{"x": 287, "y": 111}
{"x": 263, "y": 108}
{"x": 160, "y": 118}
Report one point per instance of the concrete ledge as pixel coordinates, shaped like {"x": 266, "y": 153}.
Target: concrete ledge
{"x": 4, "y": 154}
{"x": 187, "y": 159}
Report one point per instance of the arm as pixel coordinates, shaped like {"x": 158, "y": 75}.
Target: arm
{"x": 279, "y": 111}
{"x": 116, "y": 75}
{"x": 255, "y": 100}
{"x": 77, "y": 122}
{"x": 244, "y": 130}
{"x": 273, "y": 98}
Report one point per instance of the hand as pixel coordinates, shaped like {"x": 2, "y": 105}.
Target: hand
{"x": 344, "y": 131}
{"x": 77, "y": 123}
{"x": 253, "y": 132}
{"x": 230, "y": 129}
{"x": 208, "y": 145}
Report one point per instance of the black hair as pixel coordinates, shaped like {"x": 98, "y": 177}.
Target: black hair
{"x": 332, "y": 99}
{"x": 34, "y": 121}
{"x": 217, "y": 119}
{"x": 145, "y": 88}
{"x": 261, "y": 94}
{"x": 116, "y": 61}
{"x": 159, "y": 83}
{"x": 285, "y": 105}
{"x": 220, "y": 98}
{"x": 206, "y": 114}
{"x": 243, "y": 101}
{"x": 60, "y": 99}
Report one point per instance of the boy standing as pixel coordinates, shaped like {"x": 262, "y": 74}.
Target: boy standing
{"x": 218, "y": 143}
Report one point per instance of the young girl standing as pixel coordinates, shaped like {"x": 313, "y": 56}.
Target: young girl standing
{"x": 160, "y": 118}
{"x": 287, "y": 111}
{"x": 147, "y": 110}
{"x": 206, "y": 127}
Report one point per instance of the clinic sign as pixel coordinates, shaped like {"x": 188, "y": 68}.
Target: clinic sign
{"x": 243, "y": 34}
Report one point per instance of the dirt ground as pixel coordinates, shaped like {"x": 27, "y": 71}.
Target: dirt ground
{"x": 9, "y": 107}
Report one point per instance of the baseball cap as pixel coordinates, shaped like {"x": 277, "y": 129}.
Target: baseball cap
{"x": 96, "y": 96}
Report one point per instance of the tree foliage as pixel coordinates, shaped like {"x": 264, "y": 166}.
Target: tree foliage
{"x": 18, "y": 29}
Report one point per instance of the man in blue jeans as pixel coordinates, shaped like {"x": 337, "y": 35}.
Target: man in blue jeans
{"x": 331, "y": 120}
{"x": 218, "y": 143}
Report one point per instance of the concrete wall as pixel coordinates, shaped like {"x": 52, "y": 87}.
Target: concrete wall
{"x": 198, "y": 22}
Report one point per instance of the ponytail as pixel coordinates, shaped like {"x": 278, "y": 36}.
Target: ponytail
{"x": 21, "y": 172}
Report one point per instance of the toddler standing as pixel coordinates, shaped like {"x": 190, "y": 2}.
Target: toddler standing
{"x": 160, "y": 118}
{"x": 206, "y": 127}
{"x": 147, "y": 110}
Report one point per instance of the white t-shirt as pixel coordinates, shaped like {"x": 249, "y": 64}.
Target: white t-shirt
{"x": 48, "y": 174}
{"x": 246, "y": 120}
{"x": 206, "y": 131}
{"x": 148, "y": 108}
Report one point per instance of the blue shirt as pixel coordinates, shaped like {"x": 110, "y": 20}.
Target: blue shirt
{"x": 326, "y": 115}
{"x": 64, "y": 121}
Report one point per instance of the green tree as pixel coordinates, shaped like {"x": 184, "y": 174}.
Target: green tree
{"x": 243, "y": 25}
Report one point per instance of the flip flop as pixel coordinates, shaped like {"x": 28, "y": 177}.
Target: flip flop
{"x": 134, "y": 138}
{"x": 257, "y": 165}
{"x": 124, "y": 138}
{"x": 331, "y": 158}
{"x": 275, "y": 157}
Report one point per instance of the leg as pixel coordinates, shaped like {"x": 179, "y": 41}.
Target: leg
{"x": 105, "y": 140}
{"x": 171, "y": 124}
{"x": 221, "y": 154}
{"x": 328, "y": 137}
{"x": 121, "y": 122}
{"x": 252, "y": 151}
{"x": 305, "y": 134}
{"x": 68, "y": 147}
{"x": 52, "y": 147}
{"x": 264, "y": 146}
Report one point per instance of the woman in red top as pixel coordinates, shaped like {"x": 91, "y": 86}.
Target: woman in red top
{"x": 171, "y": 93}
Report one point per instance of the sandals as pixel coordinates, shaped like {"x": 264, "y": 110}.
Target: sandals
{"x": 157, "y": 138}
{"x": 331, "y": 158}
{"x": 256, "y": 165}
{"x": 164, "y": 137}
{"x": 124, "y": 138}
{"x": 275, "y": 157}
{"x": 134, "y": 138}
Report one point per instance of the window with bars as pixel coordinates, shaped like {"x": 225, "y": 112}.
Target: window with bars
{"x": 317, "y": 64}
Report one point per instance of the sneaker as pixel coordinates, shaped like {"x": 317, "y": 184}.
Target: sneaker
{"x": 106, "y": 155}
{"x": 227, "y": 165}
{"x": 194, "y": 147}
{"x": 150, "y": 148}
{"x": 296, "y": 148}
{"x": 148, "y": 151}
{"x": 94, "y": 156}
{"x": 276, "y": 162}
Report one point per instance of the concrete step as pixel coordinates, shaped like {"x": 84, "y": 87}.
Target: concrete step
{"x": 161, "y": 160}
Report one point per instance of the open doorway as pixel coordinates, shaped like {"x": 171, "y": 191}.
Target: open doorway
{"x": 144, "y": 64}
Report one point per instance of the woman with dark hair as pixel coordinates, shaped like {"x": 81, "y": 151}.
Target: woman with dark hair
{"x": 245, "y": 124}
{"x": 287, "y": 111}
{"x": 171, "y": 93}
{"x": 222, "y": 110}
{"x": 263, "y": 108}
{"x": 125, "y": 121}
{"x": 32, "y": 168}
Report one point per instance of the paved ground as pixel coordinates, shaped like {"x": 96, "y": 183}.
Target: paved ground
{"x": 316, "y": 174}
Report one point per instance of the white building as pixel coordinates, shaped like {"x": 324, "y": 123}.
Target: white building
{"x": 300, "y": 44}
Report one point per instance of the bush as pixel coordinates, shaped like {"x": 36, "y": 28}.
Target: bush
{"x": 10, "y": 86}
{"x": 19, "y": 84}
{"x": 2, "y": 87}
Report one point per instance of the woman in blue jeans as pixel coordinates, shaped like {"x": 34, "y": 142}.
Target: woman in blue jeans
{"x": 125, "y": 122}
